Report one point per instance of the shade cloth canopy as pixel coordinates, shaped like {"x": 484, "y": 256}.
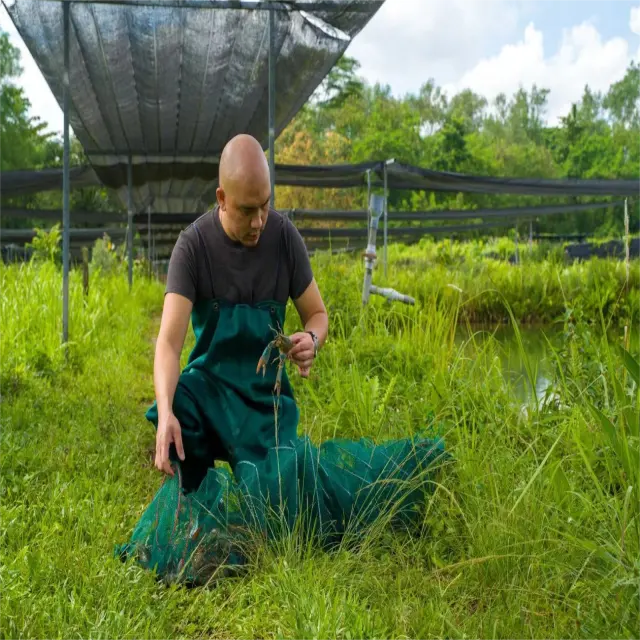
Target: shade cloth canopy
{"x": 168, "y": 85}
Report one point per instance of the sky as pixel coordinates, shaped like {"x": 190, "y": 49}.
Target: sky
{"x": 489, "y": 46}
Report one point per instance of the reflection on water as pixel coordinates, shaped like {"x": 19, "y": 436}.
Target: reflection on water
{"x": 538, "y": 344}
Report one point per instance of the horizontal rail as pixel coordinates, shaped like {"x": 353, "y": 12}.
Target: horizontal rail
{"x": 100, "y": 217}
{"x": 27, "y": 235}
{"x": 395, "y": 231}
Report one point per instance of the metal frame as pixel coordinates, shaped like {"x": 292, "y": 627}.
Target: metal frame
{"x": 386, "y": 209}
{"x": 272, "y": 104}
{"x": 66, "y": 222}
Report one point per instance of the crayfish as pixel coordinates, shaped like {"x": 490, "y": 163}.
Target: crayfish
{"x": 284, "y": 345}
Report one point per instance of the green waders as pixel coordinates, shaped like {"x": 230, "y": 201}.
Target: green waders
{"x": 201, "y": 518}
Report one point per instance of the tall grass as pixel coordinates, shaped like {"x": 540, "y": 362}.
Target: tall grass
{"x": 533, "y": 531}
{"x": 542, "y": 289}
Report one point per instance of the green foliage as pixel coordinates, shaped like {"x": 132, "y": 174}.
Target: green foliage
{"x": 596, "y": 138}
{"x": 46, "y": 244}
{"x": 26, "y": 145}
{"x": 105, "y": 257}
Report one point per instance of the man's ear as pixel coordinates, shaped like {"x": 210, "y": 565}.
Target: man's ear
{"x": 220, "y": 195}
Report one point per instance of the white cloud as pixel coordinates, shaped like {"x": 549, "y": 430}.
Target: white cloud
{"x": 409, "y": 41}
{"x": 582, "y": 58}
{"x": 634, "y": 21}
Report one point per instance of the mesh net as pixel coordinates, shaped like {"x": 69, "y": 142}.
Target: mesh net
{"x": 339, "y": 489}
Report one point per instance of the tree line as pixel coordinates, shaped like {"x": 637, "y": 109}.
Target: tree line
{"x": 349, "y": 121}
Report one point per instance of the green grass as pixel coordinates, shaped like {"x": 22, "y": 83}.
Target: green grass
{"x": 542, "y": 290}
{"x": 533, "y": 531}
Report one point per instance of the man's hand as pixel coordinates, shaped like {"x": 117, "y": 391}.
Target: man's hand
{"x": 169, "y": 432}
{"x": 314, "y": 318}
{"x": 301, "y": 353}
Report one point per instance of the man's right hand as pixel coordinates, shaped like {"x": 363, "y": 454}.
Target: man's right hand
{"x": 166, "y": 372}
{"x": 169, "y": 432}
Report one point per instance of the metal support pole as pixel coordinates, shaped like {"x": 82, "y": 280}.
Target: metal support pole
{"x": 368, "y": 193}
{"x": 386, "y": 196}
{"x": 517, "y": 253}
{"x": 149, "y": 237}
{"x": 65, "y": 178}
{"x": 130, "y": 220}
{"x": 626, "y": 239}
{"x": 272, "y": 103}
{"x": 530, "y": 236}
{"x": 374, "y": 207}
{"x": 376, "y": 210}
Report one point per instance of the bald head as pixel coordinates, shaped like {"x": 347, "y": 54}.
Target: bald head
{"x": 243, "y": 164}
{"x": 244, "y": 189}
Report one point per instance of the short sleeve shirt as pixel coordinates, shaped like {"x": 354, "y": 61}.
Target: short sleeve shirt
{"x": 206, "y": 263}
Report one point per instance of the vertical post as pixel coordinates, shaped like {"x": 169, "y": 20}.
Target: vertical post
{"x": 65, "y": 178}
{"x": 626, "y": 238}
{"x": 149, "y": 237}
{"x": 530, "y": 236}
{"x": 130, "y": 220}
{"x": 85, "y": 271}
{"x": 386, "y": 196}
{"x": 272, "y": 102}
{"x": 517, "y": 253}
{"x": 368, "y": 205}
{"x": 374, "y": 208}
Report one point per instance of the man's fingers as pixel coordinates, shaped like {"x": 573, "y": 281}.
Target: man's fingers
{"x": 178, "y": 441}
{"x": 159, "y": 447}
{"x": 166, "y": 467}
{"x": 162, "y": 456}
{"x": 303, "y": 353}
{"x": 297, "y": 348}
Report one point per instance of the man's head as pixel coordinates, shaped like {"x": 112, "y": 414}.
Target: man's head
{"x": 244, "y": 189}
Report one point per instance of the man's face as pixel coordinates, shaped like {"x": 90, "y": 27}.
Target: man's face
{"x": 245, "y": 212}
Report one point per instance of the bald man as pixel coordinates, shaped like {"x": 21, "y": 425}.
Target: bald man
{"x": 232, "y": 273}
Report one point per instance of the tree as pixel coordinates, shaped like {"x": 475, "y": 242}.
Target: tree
{"x": 25, "y": 145}
{"x": 468, "y": 108}
{"x": 340, "y": 84}
{"x": 431, "y": 106}
{"x": 623, "y": 99}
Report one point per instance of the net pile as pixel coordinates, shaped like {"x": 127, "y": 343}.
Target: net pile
{"x": 340, "y": 488}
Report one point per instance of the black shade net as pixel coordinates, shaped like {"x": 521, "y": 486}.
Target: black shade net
{"x": 168, "y": 86}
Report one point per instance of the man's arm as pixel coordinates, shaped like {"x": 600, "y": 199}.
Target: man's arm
{"x": 312, "y": 312}
{"x": 313, "y": 316}
{"x": 306, "y": 297}
{"x": 166, "y": 367}
{"x": 166, "y": 372}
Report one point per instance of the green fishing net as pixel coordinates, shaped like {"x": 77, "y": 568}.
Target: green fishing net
{"x": 339, "y": 488}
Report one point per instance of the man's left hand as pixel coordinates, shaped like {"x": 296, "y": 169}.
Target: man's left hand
{"x": 302, "y": 352}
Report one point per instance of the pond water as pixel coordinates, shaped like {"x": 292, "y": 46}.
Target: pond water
{"x": 535, "y": 346}
{"x": 539, "y": 344}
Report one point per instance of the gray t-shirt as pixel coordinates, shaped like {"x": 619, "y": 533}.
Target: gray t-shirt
{"x": 206, "y": 263}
